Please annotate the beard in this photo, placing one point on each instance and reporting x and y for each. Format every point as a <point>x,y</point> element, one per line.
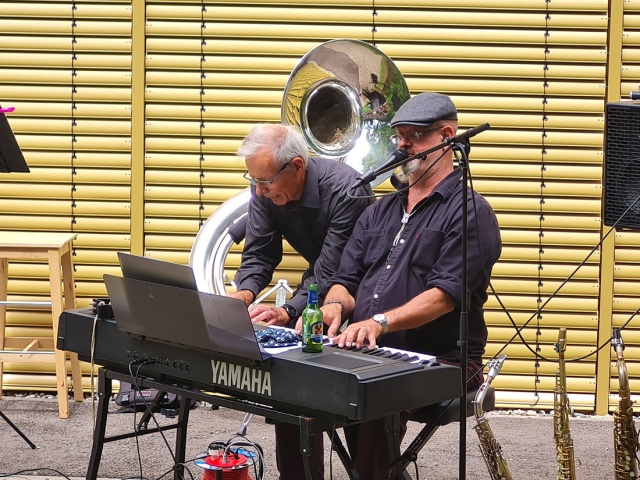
<point>407,171</point>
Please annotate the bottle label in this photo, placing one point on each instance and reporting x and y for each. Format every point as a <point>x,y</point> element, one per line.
<point>316,332</point>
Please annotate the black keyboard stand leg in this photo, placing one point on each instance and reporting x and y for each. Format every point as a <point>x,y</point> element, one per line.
<point>306,447</point>
<point>392,429</point>
<point>411,452</point>
<point>343,455</point>
<point>104,394</point>
<point>181,437</point>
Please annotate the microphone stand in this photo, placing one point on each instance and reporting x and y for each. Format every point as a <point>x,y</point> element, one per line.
<point>463,342</point>
<point>460,144</point>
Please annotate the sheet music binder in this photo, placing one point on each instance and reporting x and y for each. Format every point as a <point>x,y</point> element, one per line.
<point>183,317</point>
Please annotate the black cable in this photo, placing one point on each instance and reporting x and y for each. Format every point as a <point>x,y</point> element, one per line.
<point>140,364</point>
<point>136,390</point>
<point>519,329</point>
<point>34,470</point>
<point>537,312</point>
<point>415,465</point>
<point>183,465</point>
<point>232,442</point>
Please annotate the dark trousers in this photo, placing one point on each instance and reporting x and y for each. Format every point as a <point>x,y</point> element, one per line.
<point>367,441</point>
<point>289,458</point>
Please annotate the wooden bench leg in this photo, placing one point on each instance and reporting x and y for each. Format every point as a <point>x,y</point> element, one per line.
<point>56,310</point>
<point>70,304</point>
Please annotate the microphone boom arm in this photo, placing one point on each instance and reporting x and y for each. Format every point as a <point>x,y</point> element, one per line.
<point>460,138</point>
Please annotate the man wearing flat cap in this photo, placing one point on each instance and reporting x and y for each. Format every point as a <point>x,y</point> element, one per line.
<point>400,277</point>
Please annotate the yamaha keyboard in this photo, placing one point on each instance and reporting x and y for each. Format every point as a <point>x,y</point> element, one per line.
<point>351,384</point>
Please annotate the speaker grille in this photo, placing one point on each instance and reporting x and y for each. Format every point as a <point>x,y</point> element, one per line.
<point>622,165</point>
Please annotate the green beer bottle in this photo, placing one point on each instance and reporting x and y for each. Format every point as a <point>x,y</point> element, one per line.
<point>312,323</point>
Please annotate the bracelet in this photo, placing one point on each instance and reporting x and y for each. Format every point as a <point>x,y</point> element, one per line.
<point>335,301</point>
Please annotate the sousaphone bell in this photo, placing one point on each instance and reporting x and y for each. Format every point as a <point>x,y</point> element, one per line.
<point>341,96</point>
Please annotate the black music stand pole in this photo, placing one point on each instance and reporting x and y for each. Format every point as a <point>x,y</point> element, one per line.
<point>11,160</point>
<point>24,437</point>
<point>463,342</point>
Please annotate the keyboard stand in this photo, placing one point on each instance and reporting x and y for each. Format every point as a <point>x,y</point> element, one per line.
<point>308,425</point>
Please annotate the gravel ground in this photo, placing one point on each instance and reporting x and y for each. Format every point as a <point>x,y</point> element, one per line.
<point>526,438</point>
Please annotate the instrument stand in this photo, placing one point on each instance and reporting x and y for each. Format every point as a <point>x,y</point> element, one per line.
<point>463,342</point>
<point>17,430</point>
<point>308,425</point>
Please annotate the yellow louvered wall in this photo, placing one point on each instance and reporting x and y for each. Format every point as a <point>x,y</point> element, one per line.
<point>129,114</point>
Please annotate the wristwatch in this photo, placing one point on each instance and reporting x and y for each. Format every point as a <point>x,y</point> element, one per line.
<point>382,320</point>
<point>291,311</point>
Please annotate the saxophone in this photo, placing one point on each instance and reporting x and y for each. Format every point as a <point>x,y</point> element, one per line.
<point>625,437</point>
<point>561,411</point>
<point>489,446</point>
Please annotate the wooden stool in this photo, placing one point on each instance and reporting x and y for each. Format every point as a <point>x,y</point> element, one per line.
<point>56,249</point>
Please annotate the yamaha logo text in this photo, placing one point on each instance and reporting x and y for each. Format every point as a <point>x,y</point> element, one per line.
<point>241,378</point>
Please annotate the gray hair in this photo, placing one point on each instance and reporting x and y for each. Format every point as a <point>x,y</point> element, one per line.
<point>283,142</point>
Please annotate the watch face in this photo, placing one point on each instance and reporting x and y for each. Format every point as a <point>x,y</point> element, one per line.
<point>382,320</point>
<point>291,311</point>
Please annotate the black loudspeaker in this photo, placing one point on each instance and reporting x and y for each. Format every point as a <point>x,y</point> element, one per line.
<point>622,165</point>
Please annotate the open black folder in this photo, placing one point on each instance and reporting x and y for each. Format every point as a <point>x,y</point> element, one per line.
<point>182,316</point>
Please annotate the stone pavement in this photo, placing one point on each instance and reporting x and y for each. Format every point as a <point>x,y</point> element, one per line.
<point>65,445</point>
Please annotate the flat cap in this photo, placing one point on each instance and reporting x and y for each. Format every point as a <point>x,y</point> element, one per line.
<point>424,109</point>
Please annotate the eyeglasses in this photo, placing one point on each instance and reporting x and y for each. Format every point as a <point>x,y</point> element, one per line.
<point>264,183</point>
<point>413,137</point>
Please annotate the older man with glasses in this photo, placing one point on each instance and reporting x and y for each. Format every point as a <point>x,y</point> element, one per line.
<point>304,199</point>
<point>309,202</point>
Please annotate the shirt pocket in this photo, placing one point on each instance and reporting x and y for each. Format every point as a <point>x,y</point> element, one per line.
<point>426,249</point>
<point>372,241</point>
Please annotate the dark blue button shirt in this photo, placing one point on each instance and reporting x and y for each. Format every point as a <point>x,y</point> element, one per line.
<point>387,262</point>
<point>317,227</point>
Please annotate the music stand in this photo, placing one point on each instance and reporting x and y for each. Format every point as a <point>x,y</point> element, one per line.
<point>11,160</point>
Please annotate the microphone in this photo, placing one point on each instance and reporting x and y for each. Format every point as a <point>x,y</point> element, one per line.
<point>396,157</point>
<point>465,136</point>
